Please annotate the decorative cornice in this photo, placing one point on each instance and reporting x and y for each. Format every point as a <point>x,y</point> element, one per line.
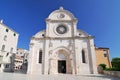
<point>31,45</point>
<point>62,38</point>
<point>50,20</point>
<point>47,20</point>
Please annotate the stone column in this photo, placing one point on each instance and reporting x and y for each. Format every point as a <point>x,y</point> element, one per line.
<point>46,61</point>
<point>47,27</point>
<point>72,66</point>
<point>30,59</point>
<point>74,45</point>
<point>52,67</point>
<point>75,26</point>
<point>92,56</point>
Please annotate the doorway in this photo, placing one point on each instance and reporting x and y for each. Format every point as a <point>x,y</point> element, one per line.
<point>61,66</point>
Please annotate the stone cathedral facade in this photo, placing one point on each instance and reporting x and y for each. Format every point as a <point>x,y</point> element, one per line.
<point>62,48</point>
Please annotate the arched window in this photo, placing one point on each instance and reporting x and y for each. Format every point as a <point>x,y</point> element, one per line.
<point>7,54</point>
<point>14,34</point>
<point>40,56</point>
<point>3,48</point>
<point>43,35</point>
<point>83,57</point>
<point>7,30</point>
<point>11,50</point>
<point>5,38</point>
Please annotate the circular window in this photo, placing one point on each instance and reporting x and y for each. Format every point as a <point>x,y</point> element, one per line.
<point>61,15</point>
<point>61,29</point>
<point>7,30</point>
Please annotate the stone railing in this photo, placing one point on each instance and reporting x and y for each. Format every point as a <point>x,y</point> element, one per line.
<point>112,73</point>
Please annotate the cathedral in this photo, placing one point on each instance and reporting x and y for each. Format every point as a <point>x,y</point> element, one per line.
<point>62,48</point>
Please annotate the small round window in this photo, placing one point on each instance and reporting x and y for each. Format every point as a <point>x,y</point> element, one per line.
<point>61,29</point>
<point>14,34</point>
<point>7,30</point>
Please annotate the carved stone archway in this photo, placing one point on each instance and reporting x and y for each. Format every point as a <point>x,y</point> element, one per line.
<point>60,54</point>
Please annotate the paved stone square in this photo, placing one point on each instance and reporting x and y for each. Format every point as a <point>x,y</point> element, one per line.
<point>18,76</point>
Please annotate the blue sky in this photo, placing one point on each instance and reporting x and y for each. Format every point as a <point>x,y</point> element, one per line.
<point>100,18</point>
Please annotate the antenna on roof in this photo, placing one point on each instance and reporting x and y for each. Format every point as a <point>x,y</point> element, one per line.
<point>1,21</point>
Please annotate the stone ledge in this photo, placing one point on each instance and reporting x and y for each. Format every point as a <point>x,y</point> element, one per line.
<point>112,73</point>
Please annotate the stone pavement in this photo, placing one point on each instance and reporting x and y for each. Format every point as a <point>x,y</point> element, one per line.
<point>18,76</point>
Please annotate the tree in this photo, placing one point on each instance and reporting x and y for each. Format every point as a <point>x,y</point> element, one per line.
<point>103,66</point>
<point>116,63</point>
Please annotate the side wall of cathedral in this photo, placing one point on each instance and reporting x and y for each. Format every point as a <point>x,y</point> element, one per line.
<point>34,66</point>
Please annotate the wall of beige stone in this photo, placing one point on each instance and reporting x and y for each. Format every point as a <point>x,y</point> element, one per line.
<point>113,73</point>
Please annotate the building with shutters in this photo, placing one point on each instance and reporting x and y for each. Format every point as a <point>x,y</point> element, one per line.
<point>8,46</point>
<point>21,58</point>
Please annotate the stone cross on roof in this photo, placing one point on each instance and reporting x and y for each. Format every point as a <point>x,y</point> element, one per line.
<point>61,8</point>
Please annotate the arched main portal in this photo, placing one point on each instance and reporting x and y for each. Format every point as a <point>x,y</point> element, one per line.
<point>60,62</point>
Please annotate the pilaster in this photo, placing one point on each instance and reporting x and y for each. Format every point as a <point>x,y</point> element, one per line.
<point>92,56</point>
<point>30,60</point>
<point>46,61</point>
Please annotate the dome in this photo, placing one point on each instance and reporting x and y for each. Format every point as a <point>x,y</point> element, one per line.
<point>61,14</point>
<point>82,33</point>
<point>40,34</point>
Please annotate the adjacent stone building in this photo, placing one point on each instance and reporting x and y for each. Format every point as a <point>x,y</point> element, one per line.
<point>21,57</point>
<point>62,48</point>
<point>8,46</point>
<point>103,56</point>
